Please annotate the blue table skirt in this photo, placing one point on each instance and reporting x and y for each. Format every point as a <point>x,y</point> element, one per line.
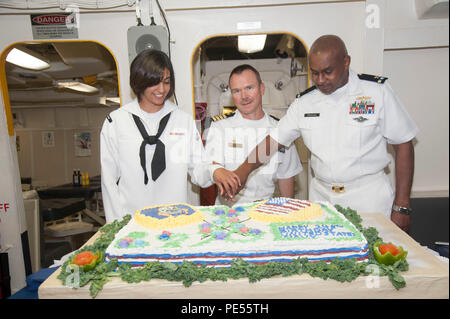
<point>33,282</point>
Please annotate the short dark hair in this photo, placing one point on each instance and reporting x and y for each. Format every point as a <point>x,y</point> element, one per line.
<point>147,69</point>
<point>241,68</point>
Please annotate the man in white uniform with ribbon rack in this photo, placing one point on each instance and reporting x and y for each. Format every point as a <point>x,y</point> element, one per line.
<point>346,121</point>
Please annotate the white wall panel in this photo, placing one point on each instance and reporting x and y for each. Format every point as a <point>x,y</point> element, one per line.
<point>420,78</point>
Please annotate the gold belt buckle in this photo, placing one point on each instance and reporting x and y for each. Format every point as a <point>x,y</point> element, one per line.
<point>338,189</point>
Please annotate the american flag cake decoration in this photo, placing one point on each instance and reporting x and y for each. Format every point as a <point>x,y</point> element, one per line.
<point>282,209</point>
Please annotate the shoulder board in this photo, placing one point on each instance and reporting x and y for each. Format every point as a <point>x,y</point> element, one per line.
<point>312,88</point>
<point>372,78</point>
<point>109,118</point>
<point>222,116</point>
<point>275,118</point>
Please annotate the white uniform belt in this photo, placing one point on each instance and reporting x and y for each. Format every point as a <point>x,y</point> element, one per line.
<point>343,187</point>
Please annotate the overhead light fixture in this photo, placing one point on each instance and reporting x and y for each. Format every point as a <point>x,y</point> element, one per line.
<point>109,101</point>
<point>113,99</point>
<point>26,60</point>
<point>76,86</point>
<point>251,43</point>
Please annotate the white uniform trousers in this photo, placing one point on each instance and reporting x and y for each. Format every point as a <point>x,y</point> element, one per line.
<point>368,194</point>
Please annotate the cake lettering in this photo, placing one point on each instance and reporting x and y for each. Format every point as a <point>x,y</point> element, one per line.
<point>314,231</point>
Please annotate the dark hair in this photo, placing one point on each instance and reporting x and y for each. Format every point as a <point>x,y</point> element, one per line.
<point>147,69</point>
<point>241,68</point>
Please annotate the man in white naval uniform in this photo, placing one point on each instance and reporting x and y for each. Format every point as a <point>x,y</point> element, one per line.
<point>231,138</point>
<point>148,146</point>
<point>346,121</point>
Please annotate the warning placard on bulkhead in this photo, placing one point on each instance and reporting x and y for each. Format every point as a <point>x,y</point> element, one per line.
<point>54,26</point>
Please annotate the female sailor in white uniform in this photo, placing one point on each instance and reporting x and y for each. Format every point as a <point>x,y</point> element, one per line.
<point>149,146</point>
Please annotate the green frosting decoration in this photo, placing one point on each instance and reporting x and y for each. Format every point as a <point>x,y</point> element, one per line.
<point>228,228</point>
<point>175,240</point>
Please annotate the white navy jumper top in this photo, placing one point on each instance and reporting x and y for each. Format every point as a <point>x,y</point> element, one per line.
<point>123,180</point>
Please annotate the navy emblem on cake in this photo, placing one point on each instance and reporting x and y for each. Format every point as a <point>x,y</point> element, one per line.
<point>163,216</point>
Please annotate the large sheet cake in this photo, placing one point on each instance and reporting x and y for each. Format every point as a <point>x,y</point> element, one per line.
<point>277,229</point>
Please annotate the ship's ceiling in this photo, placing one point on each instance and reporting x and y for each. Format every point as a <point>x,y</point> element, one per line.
<point>85,62</point>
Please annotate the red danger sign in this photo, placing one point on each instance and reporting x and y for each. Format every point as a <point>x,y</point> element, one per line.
<point>52,19</point>
<point>54,25</point>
